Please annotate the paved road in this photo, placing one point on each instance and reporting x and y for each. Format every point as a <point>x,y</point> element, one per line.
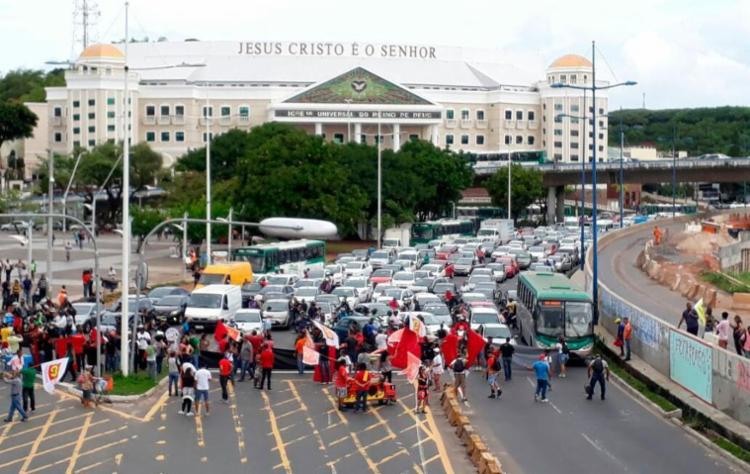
<point>294,428</point>
<point>617,270</point>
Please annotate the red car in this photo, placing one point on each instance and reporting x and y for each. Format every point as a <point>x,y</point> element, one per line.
<point>511,266</point>
<point>381,276</point>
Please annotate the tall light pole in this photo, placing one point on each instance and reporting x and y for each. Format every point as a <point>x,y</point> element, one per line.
<point>50,221</point>
<point>582,257</point>
<point>510,168</point>
<point>228,220</point>
<point>208,178</point>
<point>674,176</point>
<point>380,185</point>
<point>593,88</point>
<point>67,190</point>
<point>622,175</point>
<point>125,276</point>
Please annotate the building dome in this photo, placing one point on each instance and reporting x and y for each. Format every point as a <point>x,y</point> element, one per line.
<point>101,51</point>
<point>570,61</point>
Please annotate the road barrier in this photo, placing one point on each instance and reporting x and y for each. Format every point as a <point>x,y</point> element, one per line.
<point>476,448</point>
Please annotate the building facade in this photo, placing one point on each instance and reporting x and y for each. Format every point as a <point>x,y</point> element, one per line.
<point>182,93</point>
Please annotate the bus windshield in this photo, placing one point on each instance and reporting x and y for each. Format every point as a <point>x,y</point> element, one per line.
<point>255,257</point>
<point>577,319</point>
<point>205,300</point>
<point>422,231</point>
<point>550,321</point>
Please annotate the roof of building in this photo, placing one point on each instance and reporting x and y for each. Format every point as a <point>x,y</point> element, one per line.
<point>101,51</point>
<point>570,60</point>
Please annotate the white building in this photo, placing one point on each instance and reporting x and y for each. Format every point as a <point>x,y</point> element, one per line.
<point>465,99</point>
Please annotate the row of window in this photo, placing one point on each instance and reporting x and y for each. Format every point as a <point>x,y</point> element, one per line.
<point>573,108</point>
<point>165,136</point>
<point>243,111</point>
<point>465,114</point>
<point>563,78</point>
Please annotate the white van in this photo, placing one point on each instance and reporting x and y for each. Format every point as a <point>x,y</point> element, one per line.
<point>211,303</point>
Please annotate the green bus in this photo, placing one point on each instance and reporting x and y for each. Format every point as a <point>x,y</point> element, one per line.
<point>552,306</point>
<point>290,257</point>
<point>423,232</point>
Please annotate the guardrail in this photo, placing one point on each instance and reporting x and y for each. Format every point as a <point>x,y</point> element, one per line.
<point>714,375</point>
<point>482,167</point>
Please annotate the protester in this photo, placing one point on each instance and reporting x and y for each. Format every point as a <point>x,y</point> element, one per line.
<point>173,372</point>
<point>563,355</point>
<point>597,370</point>
<point>738,333</point>
<point>202,377</point>
<point>225,372</point>
<point>494,366</point>
<point>362,386</point>
<point>341,383</point>
<point>542,371</point>
<point>437,369</point>
<point>28,378</point>
<point>16,387</point>
<point>506,351</point>
<point>247,359</point>
<point>423,393</point>
<point>299,350</point>
<point>266,367</point>
<point>459,376</point>
<point>723,329</point>
<point>690,318</point>
<point>188,391</point>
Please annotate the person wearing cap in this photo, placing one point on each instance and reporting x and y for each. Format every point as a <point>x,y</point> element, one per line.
<point>437,369</point>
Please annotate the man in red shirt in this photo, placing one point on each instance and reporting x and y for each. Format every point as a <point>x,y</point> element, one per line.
<point>266,366</point>
<point>256,340</point>
<point>362,383</point>
<point>225,373</point>
<point>341,382</point>
<point>78,340</point>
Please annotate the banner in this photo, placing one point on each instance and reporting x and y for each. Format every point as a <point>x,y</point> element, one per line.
<point>700,310</point>
<point>52,373</point>
<point>233,333</point>
<point>332,339</point>
<point>416,325</point>
<point>310,356</point>
<point>412,367</point>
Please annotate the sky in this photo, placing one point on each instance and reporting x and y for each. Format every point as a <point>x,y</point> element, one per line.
<point>684,53</point>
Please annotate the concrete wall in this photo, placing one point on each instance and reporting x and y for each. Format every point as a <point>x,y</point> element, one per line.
<point>730,373</point>
<point>734,258</point>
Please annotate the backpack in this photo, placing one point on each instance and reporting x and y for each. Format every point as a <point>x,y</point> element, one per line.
<point>597,366</point>
<point>497,365</point>
<point>565,348</point>
<point>458,366</point>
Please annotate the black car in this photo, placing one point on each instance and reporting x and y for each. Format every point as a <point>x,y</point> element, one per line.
<point>249,290</point>
<point>160,292</point>
<point>145,309</point>
<point>171,309</point>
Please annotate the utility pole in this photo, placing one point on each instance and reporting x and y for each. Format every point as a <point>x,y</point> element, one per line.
<point>50,221</point>
<point>125,292</point>
<point>674,175</point>
<point>622,175</point>
<point>208,180</point>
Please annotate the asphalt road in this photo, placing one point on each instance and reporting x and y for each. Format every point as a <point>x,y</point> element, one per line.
<point>617,270</point>
<point>294,428</point>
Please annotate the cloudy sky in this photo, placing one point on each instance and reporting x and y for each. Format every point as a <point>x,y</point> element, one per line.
<point>684,53</point>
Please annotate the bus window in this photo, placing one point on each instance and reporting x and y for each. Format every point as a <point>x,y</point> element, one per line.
<point>550,319</point>
<point>577,319</point>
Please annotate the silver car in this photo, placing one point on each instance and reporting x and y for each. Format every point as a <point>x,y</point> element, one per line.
<point>278,312</point>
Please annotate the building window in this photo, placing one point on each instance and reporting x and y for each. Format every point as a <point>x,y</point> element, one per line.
<point>574,133</point>
<point>164,136</point>
<point>558,107</point>
<point>544,106</point>
<point>164,111</point>
<point>76,130</point>
<point>110,128</point>
<point>212,136</point>
<point>508,139</point>
<point>150,136</point>
<point>244,112</point>
<point>573,157</point>
<point>574,120</point>
<point>508,115</point>
<point>558,144</point>
<point>449,114</point>
<point>601,123</point>
<point>558,156</point>
<point>465,114</point>
<point>58,112</point>
<point>92,129</point>
<point>519,139</point>
<point>92,102</point>
<point>92,143</point>
<point>585,78</point>
<point>413,137</point>
<point>111,114</point>
<point>110,101</point>
<point>464,139</point>
<point>226,111</point>
<point>530,139</point>
<point>574,107</point>
<point>208,111</point>
<point>58,137</point>
<point>449,139</point>
<point>601,148</point>
<point>574,145</point>
<point>480,114</point>
<point>563,78</point>
<point>601,111</point>
<point>76,104</point>
<point>573,79</point>
<point>337,137</point>
<point>558,118</point>
<point>76,117</point>
<point>179,136</point>
<point>480,139</point>
<point>558,132</point>
<point>601,136</point>
<point>76,144</point>
<point>591,110</point>
<point>179,110</point>
<point>92,116</point>
<point>150,110</point>
<point>531,115</point>
<point>519,114</point>
<point>363,139</point>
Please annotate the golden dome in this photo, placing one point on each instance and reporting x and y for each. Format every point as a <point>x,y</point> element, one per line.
<point>570,60</point>
<point>101,51</point>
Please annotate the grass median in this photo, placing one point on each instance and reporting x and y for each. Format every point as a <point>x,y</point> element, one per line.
<point>135,384</point>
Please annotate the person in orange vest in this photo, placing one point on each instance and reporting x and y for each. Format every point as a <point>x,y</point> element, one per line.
<point>62,296</point>
<point>657,235</point>
<point>627,335</point>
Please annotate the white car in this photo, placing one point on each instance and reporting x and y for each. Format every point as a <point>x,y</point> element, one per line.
<point>348,294</point>
<point>403,296</point>
<point>433,322</point>
<point>472,281</point>
<point>84,312</point>
<point>364,289</point>
<point>278,312</point>
<point>248,320</point>
<point>336,273</point>
<point>434,268</point>
<point>537,252</point>
<point>403,279</point>
<point>498,271</point>
<point>380,258</point>
<point>497,334</point>
<point>306,293</point>
<point>284,279</point>
<point>357,269</point>
<point>425,298</point>
<point>482,315</point>
<point>407,265</point>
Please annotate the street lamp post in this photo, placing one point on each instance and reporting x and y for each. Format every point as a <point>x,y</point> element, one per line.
<point>582,257</point>
<point>380,185</point>
<point>674,176</point>
<point>622,175</point>
<point>208,179</point>
<point>50,221</point>
<point>67,190</point>
<point>125,190</point>
<point>593,88</point>
<point>510,216</point>
<point>228,221</point>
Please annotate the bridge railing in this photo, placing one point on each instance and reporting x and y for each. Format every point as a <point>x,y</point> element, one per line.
<point>488,167</point>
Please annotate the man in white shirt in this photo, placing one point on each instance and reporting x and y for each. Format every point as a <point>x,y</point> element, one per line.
<point>437,369</point>
<point>724,329</point>
<point>142,340</point>
<point>201,388</point>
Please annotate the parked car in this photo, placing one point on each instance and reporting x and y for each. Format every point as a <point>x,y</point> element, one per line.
<point>403,279</point>
<point>160,292</point>
<point>85,315</point>
<point>278,312</point>
<point>171,308</point>
<point>249,320</point>
<point>463,266</point>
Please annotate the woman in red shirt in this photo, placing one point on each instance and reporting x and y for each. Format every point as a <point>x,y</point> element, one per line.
<point>341,382</point>
<point>266,366</point>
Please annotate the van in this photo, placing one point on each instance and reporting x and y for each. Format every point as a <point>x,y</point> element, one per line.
<point>233,273</point>
<point>211,303</point>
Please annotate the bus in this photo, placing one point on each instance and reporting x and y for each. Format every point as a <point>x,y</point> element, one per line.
<point>552,306</point>
<point>423,232</point>
<point>290,257</point>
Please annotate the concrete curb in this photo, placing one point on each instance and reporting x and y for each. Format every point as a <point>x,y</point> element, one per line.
<point>676,413</point>
<point>71,389</point>
<point>476,448</point>
<point>713,447</point>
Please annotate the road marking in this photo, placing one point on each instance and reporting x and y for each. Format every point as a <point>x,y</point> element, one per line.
<point>337,441</point>
<point>555,408</point>
<point>601,449</point>
<point>103,408</point>
<point>438,439</point>
<point>278,404</point>
<point>296,410</point>
<point>391,456</point>
<point>237,424</point>
<point>4,434</point>
<point>276,434</point>
<point>37,442</point>
<point>370,463</point>
<point>85,453</point>
<point>410,412</point>
<point>79,444</point>
<point>199,430</point>
<point>157,406</point>
<point>321,444</point>
<point>52,436</point>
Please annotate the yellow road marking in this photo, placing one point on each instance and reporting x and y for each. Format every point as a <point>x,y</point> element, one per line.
<point>91,466</point>
<point>38,441</point>
<point>52,436</point>
<point>4,434</point>
<point>157,406</point>
<point>276,434</point>
<point>51,424</point>
<point>391,456</point>
<point>104,408</point>
<point>296,410</point>
<point>284,402</point>
<point>237,424</point>
<point>79,444</point>
<point>285,428</point>
<point>375,443</point>
<point>85,453</point>
<point>199,430</point>
<point>335,442</point>
<point>410,412</point>
<point>370,463</point>
<point>439,442</point>
<point>295,440</point>
<point>321,444</point>
<point>433,458</point>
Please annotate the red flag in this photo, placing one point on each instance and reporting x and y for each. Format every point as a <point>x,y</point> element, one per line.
<point>233,333</point>
<point>450,347</point>
<point>474,346</point>
<point>412,367</point>
<point>220,332</point>
<point>408,344</point>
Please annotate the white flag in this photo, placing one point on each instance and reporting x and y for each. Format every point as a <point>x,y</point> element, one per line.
<point>332,339</point>
<point>52,373</point>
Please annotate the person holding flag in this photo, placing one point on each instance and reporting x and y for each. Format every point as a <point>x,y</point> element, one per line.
<point>423,383</point>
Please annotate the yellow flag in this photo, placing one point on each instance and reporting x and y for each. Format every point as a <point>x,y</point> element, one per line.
<point>700,310</point>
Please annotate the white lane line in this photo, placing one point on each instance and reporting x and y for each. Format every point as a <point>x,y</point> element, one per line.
<point>531,382</point>
<point>605,452</point>
<point>555,408</point>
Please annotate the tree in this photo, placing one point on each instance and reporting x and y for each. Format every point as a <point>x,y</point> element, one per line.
<point>145,165</point>
<point>226,150</point>
<point>16,121</point>
<point>526,186</point>
<point>25,85</point>
<point>144,221</point>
